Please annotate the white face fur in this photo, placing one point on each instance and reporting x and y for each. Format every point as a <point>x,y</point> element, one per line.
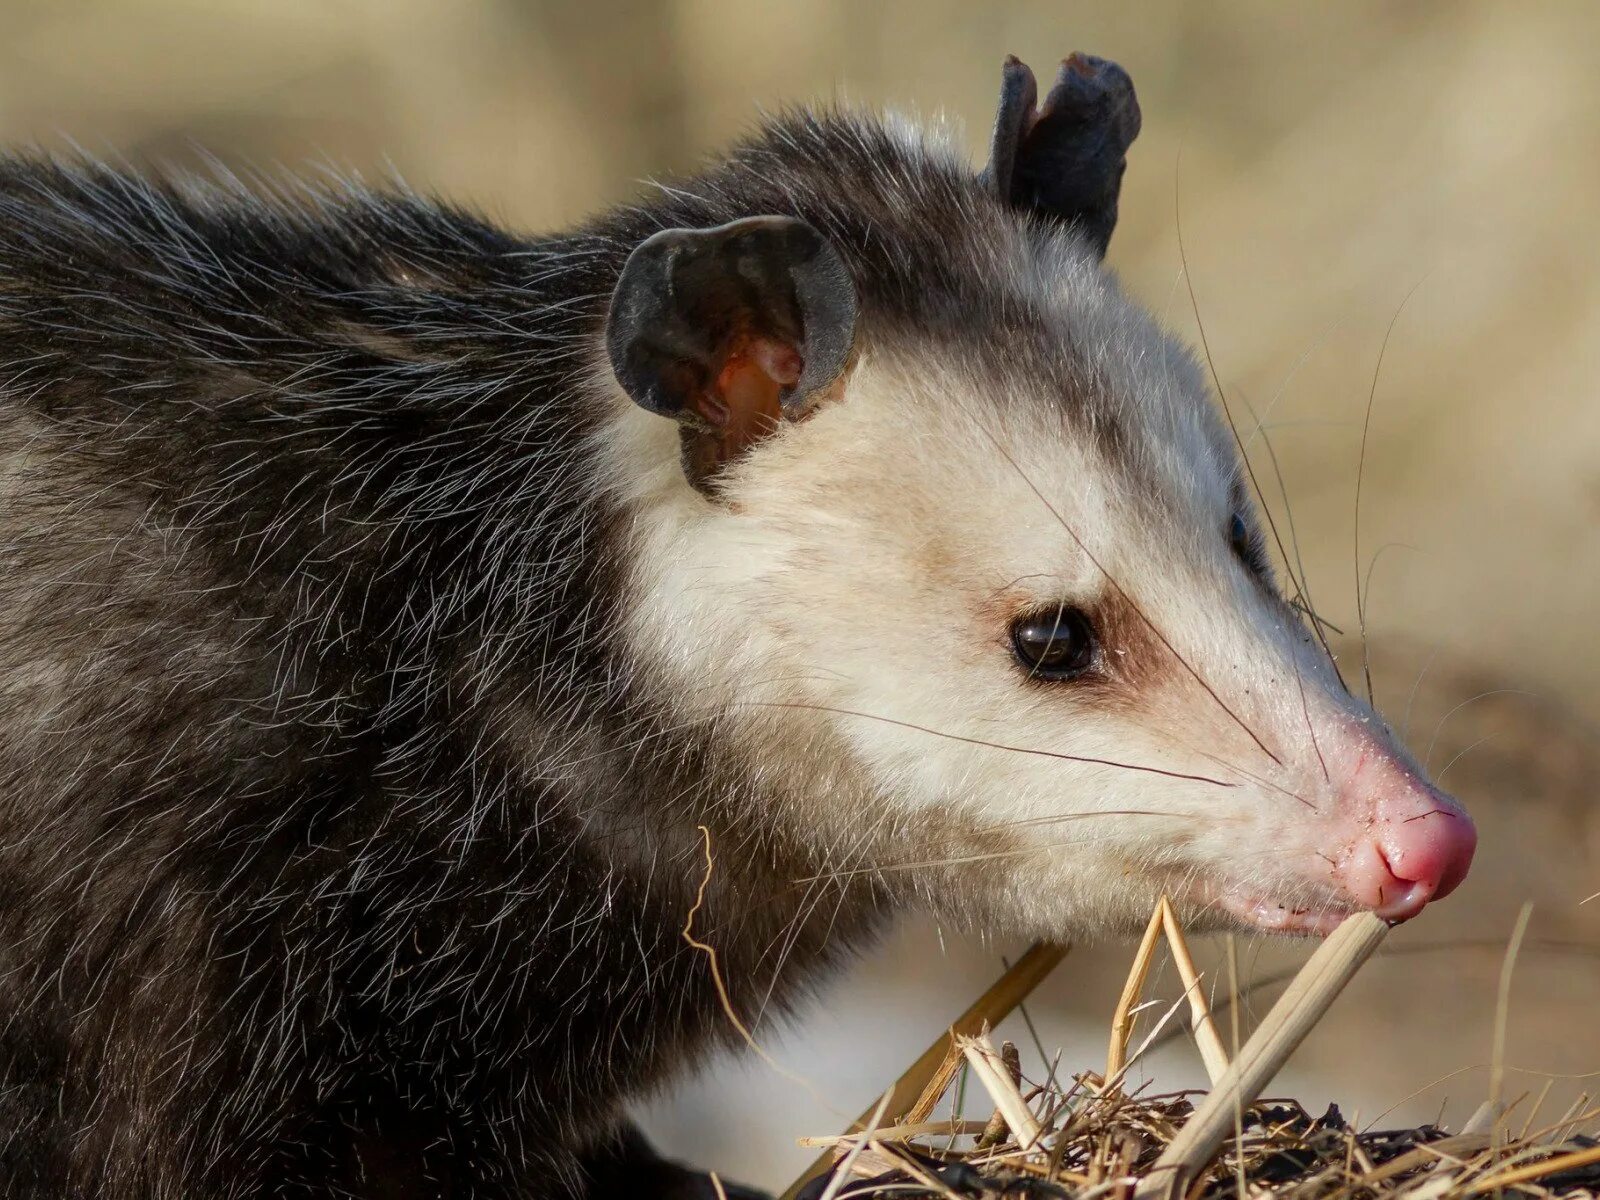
<point>845,609</point>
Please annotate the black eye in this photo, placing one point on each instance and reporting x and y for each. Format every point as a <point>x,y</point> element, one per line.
<point>1246,544</point>
<point>1058,643</point>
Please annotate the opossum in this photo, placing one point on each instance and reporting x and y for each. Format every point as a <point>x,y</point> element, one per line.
<point>409,628</point>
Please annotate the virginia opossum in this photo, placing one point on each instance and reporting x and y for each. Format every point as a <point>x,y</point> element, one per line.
<point>394,609</point>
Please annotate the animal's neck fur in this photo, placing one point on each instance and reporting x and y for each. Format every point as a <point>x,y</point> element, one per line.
<point>323,764</point>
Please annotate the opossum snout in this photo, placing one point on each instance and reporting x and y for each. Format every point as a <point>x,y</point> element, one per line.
<point>1417,848</point>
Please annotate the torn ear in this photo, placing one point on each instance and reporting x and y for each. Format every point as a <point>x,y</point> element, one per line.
<point>1065,158</point>
<point>731,331</point>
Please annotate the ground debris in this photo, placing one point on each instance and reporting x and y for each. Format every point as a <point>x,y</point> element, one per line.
<point>1100,1142</point>
<point>1092,1138</point>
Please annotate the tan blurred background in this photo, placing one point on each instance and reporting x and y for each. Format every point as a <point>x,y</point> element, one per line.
<point>1334,159</point>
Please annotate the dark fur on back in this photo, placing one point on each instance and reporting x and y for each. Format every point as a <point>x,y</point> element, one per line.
<point>341,850</point>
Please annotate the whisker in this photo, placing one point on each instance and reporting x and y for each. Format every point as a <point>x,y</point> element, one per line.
<point>1126,598</point>
<point>1055,818</point>
<point>1405,725</point>
<point>1305,356</point>
<point>1459,755</point>
<point>960,859</point>
<point>972,741</point>
<point>1305,710</point>
<point>1294,656</point>
<point>1254,778</point>
<point>1303,606</point>
<point>1303,583</point>
<point>1373,565</point>
<point>1428,758</point>
<point>1361,465</point>
<point>1222,396</point>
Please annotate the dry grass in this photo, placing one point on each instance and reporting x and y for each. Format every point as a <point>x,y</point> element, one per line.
<point>1100,1141</point>
<point>1090,1136</point>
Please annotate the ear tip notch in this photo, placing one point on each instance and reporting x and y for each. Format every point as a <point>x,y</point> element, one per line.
<point>1065,158</point>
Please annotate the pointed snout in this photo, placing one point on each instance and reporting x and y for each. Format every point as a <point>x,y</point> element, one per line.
<point>1418,849</point>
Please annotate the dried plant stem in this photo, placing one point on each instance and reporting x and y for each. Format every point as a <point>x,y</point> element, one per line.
<point>1164,921</point>
<point>1445,1155</point>
<point>937,1085</point>
<point>987,1010</point>
<point>1205,1031</point>
<point>1502,1010</point>
<point>1122,1017</point>
<point>1099,1140</point>
<point>1485,1117</point>
<point>720,983</point>
<point>894,1133</point>
<point>1538,1170</point>
<point>991,1069</point>
<point>994,1131</point>
<point>1282,1030</point>
<point>873,1123</point>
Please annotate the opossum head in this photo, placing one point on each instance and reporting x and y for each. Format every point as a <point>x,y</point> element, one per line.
<point>947,542</point>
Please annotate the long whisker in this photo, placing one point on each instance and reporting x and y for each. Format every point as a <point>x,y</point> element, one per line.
<point>1227,410</point>
<point>1371,567</point>
<point>972,741</point>
<point>1126,598</point>
<point>1305,711</point>
<point>1405,724</point>
<point>1301,605</point>
<point>1361,464</point>
<point>1303,583</point>
<point>705,718</point>
<point>1283,387</point>
<point>1459,755</point>
<point>1428,758</point>
<point>1057,818</point>
<point>1294,656</point>
<point>1254,778</point>
<point>1379,552</point>
<point>958,860</point>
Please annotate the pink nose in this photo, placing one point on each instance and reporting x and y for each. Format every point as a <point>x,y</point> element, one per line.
<point>1420,851</point>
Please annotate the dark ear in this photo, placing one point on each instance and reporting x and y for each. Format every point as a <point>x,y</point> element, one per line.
<point>730,331</point>
<point>1066,158</point>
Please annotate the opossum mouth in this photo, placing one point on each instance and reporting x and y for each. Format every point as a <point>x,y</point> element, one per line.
<point>1263,914</point>
<point>1257,911</point>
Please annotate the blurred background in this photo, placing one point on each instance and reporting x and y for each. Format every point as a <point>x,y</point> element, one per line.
<point>1327,162</point>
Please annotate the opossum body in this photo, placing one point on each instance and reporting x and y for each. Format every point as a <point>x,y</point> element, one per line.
<point>393,609</point>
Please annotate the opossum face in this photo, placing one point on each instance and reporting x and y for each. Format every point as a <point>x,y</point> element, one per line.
<point>966,578</point>
<point>994,623</point>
